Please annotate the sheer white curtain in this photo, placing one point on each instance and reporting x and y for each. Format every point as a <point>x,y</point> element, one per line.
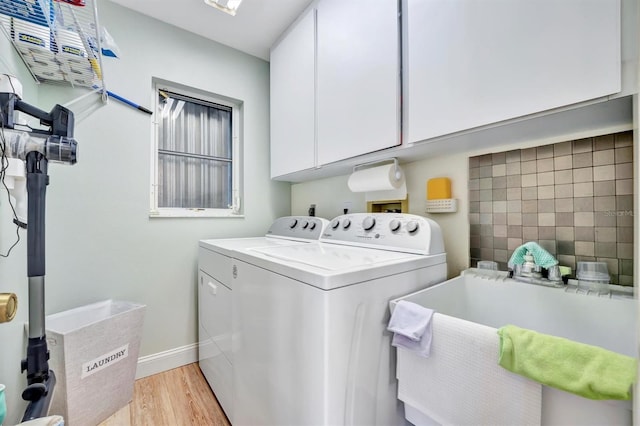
<point>194,154</point>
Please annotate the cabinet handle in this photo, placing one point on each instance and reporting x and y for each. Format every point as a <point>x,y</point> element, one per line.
<point>213,289</point>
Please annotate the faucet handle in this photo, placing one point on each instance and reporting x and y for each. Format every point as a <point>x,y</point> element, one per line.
<point>529,259</point>
<point>554,273</point>
<point>517,270</point>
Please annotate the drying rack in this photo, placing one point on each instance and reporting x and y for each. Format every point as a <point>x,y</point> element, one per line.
<point>58,40</point>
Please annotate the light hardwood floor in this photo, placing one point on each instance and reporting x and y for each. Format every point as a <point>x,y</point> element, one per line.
<point>173,398</point>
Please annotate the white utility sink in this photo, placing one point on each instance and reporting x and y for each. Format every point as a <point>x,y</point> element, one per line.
<point>497,301</point>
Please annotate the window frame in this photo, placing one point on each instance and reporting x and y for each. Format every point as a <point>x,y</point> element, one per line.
<point>233,211</point>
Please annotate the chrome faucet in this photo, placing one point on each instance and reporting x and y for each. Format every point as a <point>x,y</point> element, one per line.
<point>530,272</point>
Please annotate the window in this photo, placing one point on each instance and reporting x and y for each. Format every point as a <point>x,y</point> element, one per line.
<point>195,154</point>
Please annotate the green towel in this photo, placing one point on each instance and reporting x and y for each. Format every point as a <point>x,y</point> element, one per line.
<point>540,255</point>
<point>584,370</point>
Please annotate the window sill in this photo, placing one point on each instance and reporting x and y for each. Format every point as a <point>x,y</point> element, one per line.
<point>191,213</point>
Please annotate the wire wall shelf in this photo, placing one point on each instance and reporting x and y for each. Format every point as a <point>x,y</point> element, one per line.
<point>58,40</point>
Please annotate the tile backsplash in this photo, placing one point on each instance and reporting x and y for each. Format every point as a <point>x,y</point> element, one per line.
<point>573,198</point>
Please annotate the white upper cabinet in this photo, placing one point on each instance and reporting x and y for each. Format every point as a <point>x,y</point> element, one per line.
<point>358,78</point>
<point>470,63</point>
<point>293,99</point>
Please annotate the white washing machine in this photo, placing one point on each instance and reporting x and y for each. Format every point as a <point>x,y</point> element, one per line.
<point>215,286</point>
<point>310,345</point>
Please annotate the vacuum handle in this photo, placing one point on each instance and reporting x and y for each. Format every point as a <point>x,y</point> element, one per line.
<point>37,181</point>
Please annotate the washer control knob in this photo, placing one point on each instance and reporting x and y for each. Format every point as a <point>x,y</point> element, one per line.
<point>293,223</point>
<point>305,224</point>
<point>312,226</point>
<point>335,223</point>
<point>394,225</point>
<point>368,223</point>
<point>346,223</point>
<point>412,226</point>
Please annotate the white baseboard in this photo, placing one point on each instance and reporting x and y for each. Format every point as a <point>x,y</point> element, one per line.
<point>162,361</point>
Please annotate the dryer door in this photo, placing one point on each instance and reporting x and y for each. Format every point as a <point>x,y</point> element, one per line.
<point>214,353</point>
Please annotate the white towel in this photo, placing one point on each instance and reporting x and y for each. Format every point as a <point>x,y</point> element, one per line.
<point>411,325</point>
<point>462,383</point>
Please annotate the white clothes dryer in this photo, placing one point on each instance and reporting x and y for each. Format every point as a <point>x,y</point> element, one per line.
<point>215,285</point>
<point>310,345</point>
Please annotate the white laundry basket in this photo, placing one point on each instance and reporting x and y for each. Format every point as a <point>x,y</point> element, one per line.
<point>94,355</point>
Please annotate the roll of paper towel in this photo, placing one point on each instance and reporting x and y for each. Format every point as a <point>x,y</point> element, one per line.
<point>381,178</point>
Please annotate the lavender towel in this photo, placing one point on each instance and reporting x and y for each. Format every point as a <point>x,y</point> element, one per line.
<point>411,325</point>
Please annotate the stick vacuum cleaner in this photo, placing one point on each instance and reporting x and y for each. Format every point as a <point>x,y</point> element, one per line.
<point>36,148</point>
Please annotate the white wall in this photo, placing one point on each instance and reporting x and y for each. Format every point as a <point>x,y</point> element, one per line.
<point>100,241</point>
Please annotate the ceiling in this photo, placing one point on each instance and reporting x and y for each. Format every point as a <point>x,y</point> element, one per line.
<point>256,26</point>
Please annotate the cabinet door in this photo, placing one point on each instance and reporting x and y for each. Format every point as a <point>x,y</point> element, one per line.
<point>293,99</point>
<point>470,63</point>
<point>358,76</point>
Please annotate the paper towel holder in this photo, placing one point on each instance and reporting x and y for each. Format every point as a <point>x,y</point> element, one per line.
<point>396,166</point>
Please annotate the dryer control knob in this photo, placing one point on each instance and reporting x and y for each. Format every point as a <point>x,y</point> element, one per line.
<point>394,225</point>
<point>312,226</point>
<point>412,226</point>
<point>335,223</point>
<point>368,223</point>
<point>305,224</point>
<point>293,223</point>
<point>346,223</point>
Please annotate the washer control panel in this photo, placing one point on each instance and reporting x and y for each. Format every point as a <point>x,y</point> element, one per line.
<point>298,227</point>
<point>389,231</point>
